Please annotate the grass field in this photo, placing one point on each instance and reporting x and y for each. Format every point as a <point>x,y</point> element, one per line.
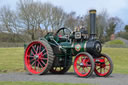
<point>11,59</point>
<point>38,83</point>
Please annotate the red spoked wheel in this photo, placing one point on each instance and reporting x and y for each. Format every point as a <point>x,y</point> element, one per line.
<point>83,64</point>
<point>38,57</point>
<point>104,69</point>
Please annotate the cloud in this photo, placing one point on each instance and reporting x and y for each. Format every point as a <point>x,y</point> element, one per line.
<point>114,7</point>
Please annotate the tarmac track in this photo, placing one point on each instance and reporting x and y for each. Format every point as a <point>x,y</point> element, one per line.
<point>113,79</point>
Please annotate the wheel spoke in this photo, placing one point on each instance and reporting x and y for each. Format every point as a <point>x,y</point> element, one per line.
<point>88,65</point>
<point>79,68</point>
<point>79,60</point>
<point>87,68</point>
<point>34,49</point>
<point>32,60</point>
<point>30,56</point>
<point>106,68</point>
<point>33,63</point>
<point>84,70</point>
<point>32,52</point>
<point>87,60</point>
<point>43,62</point>
<point>106,61</point>
<point>97,68</point>
<point>44,58</point>
<point>42,51</point>
<point>44,54</point>
<point>100,70</point>
<point>107,65</point>
<point>37,49</point>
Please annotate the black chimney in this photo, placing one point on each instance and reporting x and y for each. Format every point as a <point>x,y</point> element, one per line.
<point>92,24</point>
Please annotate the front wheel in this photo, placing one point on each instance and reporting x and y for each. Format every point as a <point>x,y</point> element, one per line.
<point>105,68</point>
<point>83,64</point>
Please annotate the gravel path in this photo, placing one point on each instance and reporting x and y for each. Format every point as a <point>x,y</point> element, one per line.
<point>114,79</point>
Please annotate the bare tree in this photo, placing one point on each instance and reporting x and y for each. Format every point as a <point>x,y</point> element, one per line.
<point>46,14</point>
<point>30,16</point>
<point>8,19</point>
<point>71,21</point>
<point>102,24</point>
<point>58,18</point>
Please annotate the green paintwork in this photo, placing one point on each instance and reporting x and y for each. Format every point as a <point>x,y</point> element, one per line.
<point>76,49</point>
<point>67,48</point>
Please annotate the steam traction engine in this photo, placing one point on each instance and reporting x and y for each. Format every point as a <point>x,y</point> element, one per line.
<point>54,53</point>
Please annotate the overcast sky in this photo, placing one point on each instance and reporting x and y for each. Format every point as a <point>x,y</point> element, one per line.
<point>117,8</point>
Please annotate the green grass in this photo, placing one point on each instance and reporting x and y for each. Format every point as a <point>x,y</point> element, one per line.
<point>11,59</point>
<point>119,57</point>
<point>37,83</point>
<point>113,42</point>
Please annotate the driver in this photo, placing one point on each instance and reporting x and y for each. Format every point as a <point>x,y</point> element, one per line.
<point>83,30</point>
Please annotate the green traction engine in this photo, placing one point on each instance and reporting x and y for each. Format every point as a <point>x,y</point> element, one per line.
<point>55,51</point>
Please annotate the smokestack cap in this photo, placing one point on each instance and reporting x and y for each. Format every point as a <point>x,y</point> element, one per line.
<point>92,11</point>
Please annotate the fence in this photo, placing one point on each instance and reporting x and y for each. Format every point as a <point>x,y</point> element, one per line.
<point>8,44</point>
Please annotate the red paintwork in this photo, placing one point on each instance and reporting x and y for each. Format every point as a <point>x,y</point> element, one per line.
<point>104,68</point>
<point>35,67</point>
<point>86,68</point>
<point>60,36</point>
<point>99,60</point>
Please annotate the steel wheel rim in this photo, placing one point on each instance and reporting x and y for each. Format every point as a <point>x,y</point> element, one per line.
<point>82,58</point>
<point>36,57</point>
<point>103,69</point>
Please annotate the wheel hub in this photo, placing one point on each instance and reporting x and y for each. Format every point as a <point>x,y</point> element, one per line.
<point>81,64</point>
<point>36,57</point>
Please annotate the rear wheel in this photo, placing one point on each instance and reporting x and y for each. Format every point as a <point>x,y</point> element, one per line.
<point>83,64</point>
<point>61,68</point>
<point>38,57</point>
<point>105,68</point>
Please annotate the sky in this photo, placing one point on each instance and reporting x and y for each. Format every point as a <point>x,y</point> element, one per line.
<point>114,8</point>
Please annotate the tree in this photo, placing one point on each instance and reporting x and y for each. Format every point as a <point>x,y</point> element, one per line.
<point>101,24</point>
<point>112,24</point>
<point>58,18</point>
<point>9,21</point>
<point>126,28</point>
<point>30,16</point>
<point>46,14</point>
<point>70,21</point>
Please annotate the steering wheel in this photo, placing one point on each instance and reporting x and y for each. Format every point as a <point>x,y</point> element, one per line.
<point>63,33</point>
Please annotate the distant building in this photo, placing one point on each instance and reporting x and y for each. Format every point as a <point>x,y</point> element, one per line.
<point>112,37</point>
